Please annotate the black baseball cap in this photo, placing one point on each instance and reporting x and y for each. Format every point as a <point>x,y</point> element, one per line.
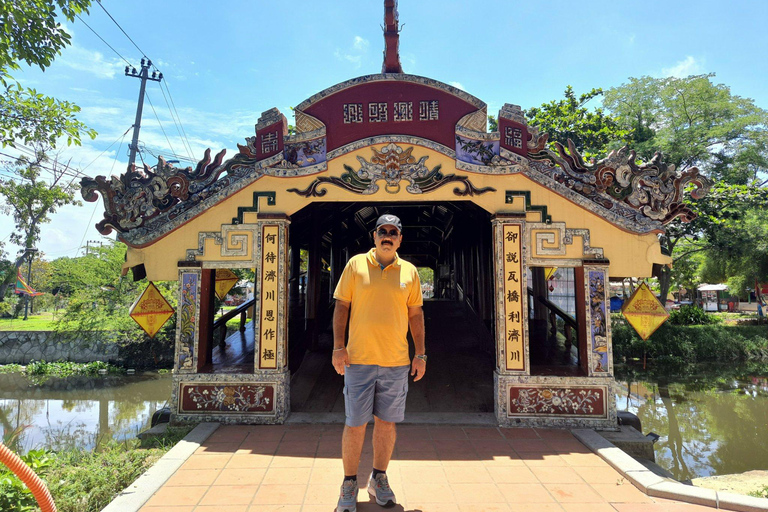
<point>390,219</point>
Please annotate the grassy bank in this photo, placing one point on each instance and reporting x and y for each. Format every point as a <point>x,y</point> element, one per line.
<point>86,481</point>
<point>691,343</point>
<point>39,322</point>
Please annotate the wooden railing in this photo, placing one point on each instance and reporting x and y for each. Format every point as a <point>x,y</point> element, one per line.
<point>569,323</point>
<point>241,310</point>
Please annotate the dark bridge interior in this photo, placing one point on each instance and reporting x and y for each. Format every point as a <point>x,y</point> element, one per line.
<point>452,239</point>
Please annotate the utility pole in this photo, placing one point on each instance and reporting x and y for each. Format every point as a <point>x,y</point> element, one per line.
<point>88,245</point>
<point>30,253</point>
<point>144,76</point>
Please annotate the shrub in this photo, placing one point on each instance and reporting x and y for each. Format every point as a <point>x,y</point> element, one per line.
<point>692,344</point>
<point>691,315</point>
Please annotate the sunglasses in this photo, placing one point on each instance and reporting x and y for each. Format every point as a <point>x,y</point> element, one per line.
<point>384,232</point>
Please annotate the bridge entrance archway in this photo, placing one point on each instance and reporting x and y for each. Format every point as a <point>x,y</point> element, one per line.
<point>449,242</point>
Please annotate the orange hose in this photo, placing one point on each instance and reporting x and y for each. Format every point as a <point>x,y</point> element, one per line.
<point>30,479</point>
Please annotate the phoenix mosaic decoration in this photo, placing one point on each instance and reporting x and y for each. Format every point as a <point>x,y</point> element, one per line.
<point>393,165</point>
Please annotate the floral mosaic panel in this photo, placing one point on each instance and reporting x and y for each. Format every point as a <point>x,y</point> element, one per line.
<point>598,328</point>
<point>557,401</point>
<point>235,398</point>
<point>185,346</point>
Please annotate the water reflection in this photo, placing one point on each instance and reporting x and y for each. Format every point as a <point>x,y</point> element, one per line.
<point>712,421</point>
<point>78,411</point>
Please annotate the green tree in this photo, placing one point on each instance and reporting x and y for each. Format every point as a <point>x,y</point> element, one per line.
<point>30,32</point>
<point>593,131</point>
<point>695,122</point>
<point>690,120</point>
<point>98,298</point>
<point>31,198</point>
<point>728,237</point>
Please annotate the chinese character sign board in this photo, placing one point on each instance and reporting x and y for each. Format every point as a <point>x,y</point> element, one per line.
<point>151,310</point>
<point>644,312</point>
<point>514,295</point>
<point>225,280</point>
<point>270,279</point>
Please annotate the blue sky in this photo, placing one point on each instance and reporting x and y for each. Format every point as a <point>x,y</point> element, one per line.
<point>226,62</point>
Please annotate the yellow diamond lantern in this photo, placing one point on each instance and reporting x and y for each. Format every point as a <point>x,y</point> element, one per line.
<point>644,312</point>
<point>225,280</point>
<point>151,310</point>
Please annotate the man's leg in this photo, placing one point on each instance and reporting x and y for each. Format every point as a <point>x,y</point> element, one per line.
<point>351,448</point>
<point>384,436</point>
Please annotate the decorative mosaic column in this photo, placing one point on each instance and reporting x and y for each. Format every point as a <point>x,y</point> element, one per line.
<point>598,319</point>
<point>187,320</point>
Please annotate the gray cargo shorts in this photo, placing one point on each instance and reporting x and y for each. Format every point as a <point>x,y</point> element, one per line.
<point>371,390</point>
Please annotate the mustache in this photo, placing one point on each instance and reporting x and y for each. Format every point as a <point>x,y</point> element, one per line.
<point>386,242</point>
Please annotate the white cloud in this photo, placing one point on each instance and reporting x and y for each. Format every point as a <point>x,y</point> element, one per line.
<point>355,54</point>
<point>457,85</point>
<point>92,62</point>
<point>360,44</point>
<point>686,67</point>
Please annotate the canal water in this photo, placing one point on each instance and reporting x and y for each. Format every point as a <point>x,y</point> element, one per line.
<point>711,421</point>
<point>78,411</point>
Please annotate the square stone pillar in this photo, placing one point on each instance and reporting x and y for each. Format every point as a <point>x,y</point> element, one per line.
<point>263,396</point>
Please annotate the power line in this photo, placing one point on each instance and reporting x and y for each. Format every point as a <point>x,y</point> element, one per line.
<point>183,137</point>
<point>167,154</point>
<point>192,153</point>
<point>121,28</point>
<point>158,122</point>
<point>172,105</point>
<point>54,172</point>
<point>102,39</point>
<point>33,152</point>
<point>102,153</point>
<point>95,207</point>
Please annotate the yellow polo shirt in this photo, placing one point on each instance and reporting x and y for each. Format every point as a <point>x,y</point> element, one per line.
<point>380,300</point>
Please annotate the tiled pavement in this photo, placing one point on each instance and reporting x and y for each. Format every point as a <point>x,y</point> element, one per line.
<point>434,468</point>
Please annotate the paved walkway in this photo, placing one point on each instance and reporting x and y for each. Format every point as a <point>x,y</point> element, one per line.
<point>434,468</point>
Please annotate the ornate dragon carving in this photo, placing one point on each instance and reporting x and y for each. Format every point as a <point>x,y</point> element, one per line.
<point>653,189</point>
<point>139,195</point>
<point>392,164</point>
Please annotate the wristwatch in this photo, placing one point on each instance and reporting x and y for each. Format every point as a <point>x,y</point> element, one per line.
<point>423,357</point>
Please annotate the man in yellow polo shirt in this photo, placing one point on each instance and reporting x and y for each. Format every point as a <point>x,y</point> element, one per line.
<point>382,293</point>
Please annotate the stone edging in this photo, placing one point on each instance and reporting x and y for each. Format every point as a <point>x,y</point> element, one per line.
<point>659,487</point>
<point>133,497</point>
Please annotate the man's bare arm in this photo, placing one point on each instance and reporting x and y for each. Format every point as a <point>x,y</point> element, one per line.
<point>416,323</point>
<point>340,357</point>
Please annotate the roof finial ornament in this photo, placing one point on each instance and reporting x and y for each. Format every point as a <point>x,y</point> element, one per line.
<point>391,39</point>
